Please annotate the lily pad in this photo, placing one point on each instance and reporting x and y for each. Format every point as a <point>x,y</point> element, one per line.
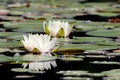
<point>27,24</point>
<point>10,44</point>
<point>4,50</point>
<point>84,40</point>
<point>20,70</point>
<point>87,28</point>
<point>105,33</point>
<point>78,48</point>
<point>108,43</point>
<point>16,13</point>
<point>15,37</point>
<point>6,34</point>
<point>32,29</point>
<point>76,78</point>
<point>98,56</point>
<point>92,39</point>
<point>113,54</point>
<point>4,59</point>
<point>105,62</point>
<point>73,72</point>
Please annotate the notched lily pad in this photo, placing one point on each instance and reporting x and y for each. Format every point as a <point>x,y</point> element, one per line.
<point>31,29</point>
<point>92,39</point>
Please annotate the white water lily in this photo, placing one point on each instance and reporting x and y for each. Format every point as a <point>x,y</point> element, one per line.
<point>57,28</point>
<point>44,45</point>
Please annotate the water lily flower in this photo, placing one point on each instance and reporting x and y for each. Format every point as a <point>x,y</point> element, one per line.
<point>42,44</point>
<point>57,28</point>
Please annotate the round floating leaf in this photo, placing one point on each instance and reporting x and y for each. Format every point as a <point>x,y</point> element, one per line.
<point>10,44</point>
<point>108,43</point>
<point>78,48</point>
<point>17,37</point>
<point>113,72</point>
<point>96,74</point>
<point>113,54</point>
<point>87,27</point>
<point>70,59</point>
<point>16,13</point>
<point>29,24</point>
<point>91,39</point>
<point>19,70</point>
<point>24,76</point>
<point>99,56</point>
<point>31,29</point>
<point>7,34</point>
<point>84,40</point>
<point>73,72</point>
<point>94,52</point>
<point>105,62</point>
<point>4,58</point>
<point>105,33</point>
<point>4,50</point>
<point>76,78</point>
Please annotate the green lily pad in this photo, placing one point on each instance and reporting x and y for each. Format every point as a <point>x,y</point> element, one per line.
<point>96,74</point>
<point>105,62</point>
<point>108,43</point>
<point>16,13</point>
<point>27,24</point>
<point>19,70</point>
<point>98,56</point>
<point>113,72</point>
<point>24,76</point>
<point>6,34</point>
<point>113,54</point>
<point>73,72</point>
<point>31,29</point>
<point>4,50</point>
<point>94,52</point>
<point>70,59</point>
<point>84,39</point>
<point>76,78</point>
<point>4,58</point>
<point>73,48</point>
<point>15,37</point>
<point>10,44</point>
<point>87,28</point>
<point>105,33</point>
<point>92,39</point>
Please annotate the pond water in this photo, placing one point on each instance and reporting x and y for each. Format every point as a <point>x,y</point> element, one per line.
<point>92,51</point>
